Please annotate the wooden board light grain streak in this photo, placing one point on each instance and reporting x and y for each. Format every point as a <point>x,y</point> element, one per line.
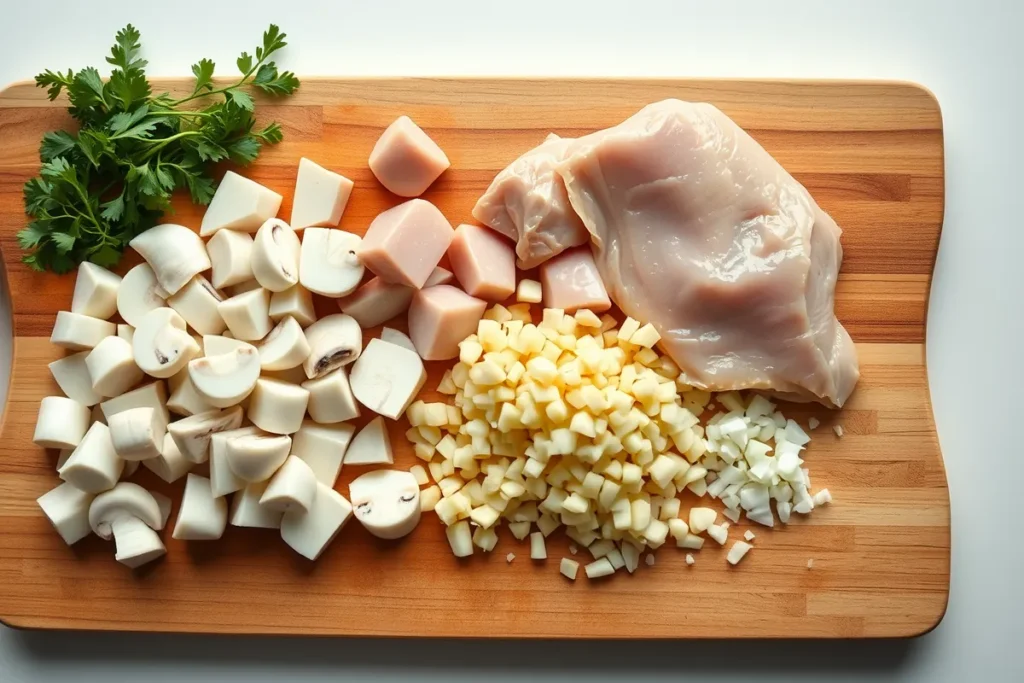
<point>872,155</point>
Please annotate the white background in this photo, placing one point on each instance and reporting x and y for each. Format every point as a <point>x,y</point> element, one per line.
<point>969,53</point>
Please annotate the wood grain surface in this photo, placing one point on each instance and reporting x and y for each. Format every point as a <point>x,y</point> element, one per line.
<point>870,153</point>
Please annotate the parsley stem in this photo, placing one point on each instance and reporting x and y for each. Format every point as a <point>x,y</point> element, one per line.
<point>161,143</point>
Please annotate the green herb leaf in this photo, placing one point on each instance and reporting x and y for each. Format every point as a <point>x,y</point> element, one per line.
<point>273,40</point>
<point>203,71</point>
<point>121,121</point>
<point>241,99</point>
<point>244,150</point>
<point>271,82</point>
<point>55,144</point>
<point>272,134</point>
<point>54,82</point>
<point>244,63</point>
<point>124,54</point>
<point>31,235</point>
<point>114,209</point>
<point>63,241</point>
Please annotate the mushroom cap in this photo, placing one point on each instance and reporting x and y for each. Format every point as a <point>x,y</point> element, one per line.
<point>275,256</point>
<point>256,457</point>
<point>334,341</point>
<point>161,345</point>
<point>386,502</point>
<point>227,378</point>
<point>125,499</point>
<point>284,347</point>
<point>328,263</point>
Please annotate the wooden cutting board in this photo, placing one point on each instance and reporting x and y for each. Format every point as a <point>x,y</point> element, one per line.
<point>870,153</point>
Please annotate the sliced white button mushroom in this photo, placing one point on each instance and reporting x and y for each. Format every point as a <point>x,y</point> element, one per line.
<point>201,517</point>
<point>247,314</point>
<point>153,395</point>
<point>239,204</point>
<point>278,407</point>
<point>192,434</point>
<point>165,504</point>
<point>309,533</point>
<point>331,399</point>
<point>223,480</point>
<point>139,294</point>
<point>170,465</point>
<point>95,291</point>
<point>137,434</point>
<point>62,423</point>
<point>197,302</point>
<point>63,455</point>
<point>371,446</point>
<point>320,196</point>
<point>126,332</point>
<point>130,515</point>
<point>275,256</point>
<point>292,488</point>
<point>185,400</point>
<point>387,377</point>
<point>67,508</point>
<point>246,510</point>
<point>175,253</point>
<point>77,332</point>
<point>294,375</point>
<point>386,502</point>
<point>226,379</point>
<point>214,345</point>
<point>376,302</point>
<point>72,376</point>
<point>93,466</point>
<point>296,302</point>
<point>112,368</point>
<point>230,257</point>
<point>323,448</point>
<point>334,341</point>
<point>161,346</point>
<point>285,347</point>
<point>328,264</point>
<point>243,287</point>
<point>255,457</point>
<point>398,338</point>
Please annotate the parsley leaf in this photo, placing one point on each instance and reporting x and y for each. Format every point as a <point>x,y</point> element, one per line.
<point>56,143</point>
<point>203,71</point>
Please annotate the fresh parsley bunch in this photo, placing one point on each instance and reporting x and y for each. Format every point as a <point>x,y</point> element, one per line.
<point>100,187</point>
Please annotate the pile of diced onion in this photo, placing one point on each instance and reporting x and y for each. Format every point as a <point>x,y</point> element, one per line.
<point>576,422</point>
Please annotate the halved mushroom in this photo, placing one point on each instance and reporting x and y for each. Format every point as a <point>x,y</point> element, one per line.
<point>328,264</point>
<point>256,457</point>
<point>94,465</point>
<point>246,510</point>
<point>112,368</point>
<point>153,395</point>
<point>371,446</point>
<point>275,256</point>
<point>137,434</point>
<point>309,533</point>
<point>175,253</point>
<point>247,314</point>
<point>334,341</point>
<point>296,302</point>
<point>224,380</point>
<point>278,407</point>
<point>223,480</point>
<point>231,257</point>
<point>184,399</point>
<point>130,515</point>
<point>192,434</point>
<point>78,332</point>
<point>139,294</point>
<point>170,465</point>
<point>201,517</point>
<point>126,332</point>
<point>323,448</point>
<point>72,376</point>
<point>292,488</point>
<point>196,302</point>
<point>161,346</point>
<point>62,423</point>
<point>330,398</point>
<point>67,508</point>
<point>95,291</point>
<point>386,502</point>
<point>215,345</point>
<point>285,347</point>
<point>387,377</point>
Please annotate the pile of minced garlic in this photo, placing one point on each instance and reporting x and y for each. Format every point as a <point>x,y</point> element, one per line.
<point>578,423</point>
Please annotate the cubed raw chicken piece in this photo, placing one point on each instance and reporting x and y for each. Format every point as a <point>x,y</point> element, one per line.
<point>527,203</point>
<point>698,230</point>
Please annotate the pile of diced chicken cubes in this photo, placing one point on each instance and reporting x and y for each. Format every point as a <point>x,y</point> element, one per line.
<point>570,420</point>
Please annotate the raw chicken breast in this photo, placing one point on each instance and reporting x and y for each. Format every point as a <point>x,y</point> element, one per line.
<point>698,230</point>
<point>526,202</point>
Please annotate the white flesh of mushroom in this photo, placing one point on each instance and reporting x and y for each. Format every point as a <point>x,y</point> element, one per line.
<point>275,256</point>
<point>256,457</point>
<point>126,332</point>
<point>284,347</point>
<point>224,380</point>
<point>296,302</point>
<point>247,314</point>
<point>371,446</point>
<point>130,515</point>
<point>387,377</point>
<point>112,368</point>
<point>323,448</point>
<point>185,400</point>
<point>230,257</point>
<point>398,338</point>
<point>161,346</point>
<point>309,533</point>
<point>331,399</point>
<point>175,253</point>
<point>239,204</point>
<point>278,407</point>
<point>292,488</point>
<point>72,376</point>
<point>170,465</point>
<point>197,302</point>
<point>153,395</point>
<point>386,502</point>
<point>62,423</point>
<point>137,434</point>
<point>246,510</point>
<point>139,294</point>
<point>192,434</point>
<point>334,341</point>
<point>201,517</point>
<point>93,466</point>
<point>67,508</point>
<point>320,196</point>
<point>95,291</point>
<point>78,332</point>
<point>223,480</point>
<point>328,264</point>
